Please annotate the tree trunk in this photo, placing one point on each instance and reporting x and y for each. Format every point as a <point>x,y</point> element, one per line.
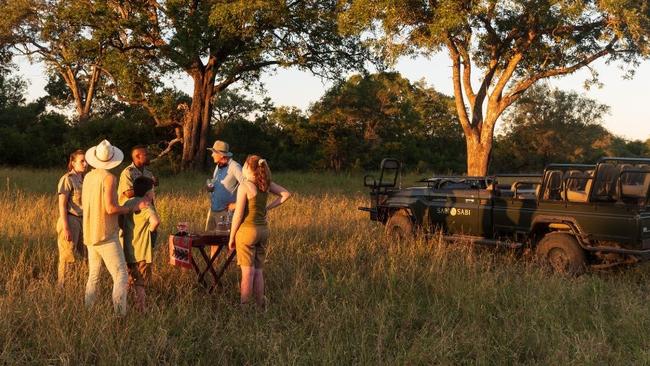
<point>206,117</point>
<point>187,139</point>
<point>478,156</point>
<point>83,115</point>
<point>82,112</point>
<point>197,125</point>
<point>83,106</point>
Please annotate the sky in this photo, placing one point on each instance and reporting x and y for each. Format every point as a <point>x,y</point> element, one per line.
<point>627,99</point>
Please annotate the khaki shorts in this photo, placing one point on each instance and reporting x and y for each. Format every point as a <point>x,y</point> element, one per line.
<point>251,243</point>
<point>139,273</point>
<point>67,248</point>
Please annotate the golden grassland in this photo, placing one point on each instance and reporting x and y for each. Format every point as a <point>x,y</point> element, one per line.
<point>339,293</point>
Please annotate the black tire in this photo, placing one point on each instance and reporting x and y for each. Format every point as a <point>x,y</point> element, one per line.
<point>562,253</point>
<point>399,226</point>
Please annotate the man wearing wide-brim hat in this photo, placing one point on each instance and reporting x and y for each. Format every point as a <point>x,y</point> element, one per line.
<point>99,202</point>
<point>223,185</point>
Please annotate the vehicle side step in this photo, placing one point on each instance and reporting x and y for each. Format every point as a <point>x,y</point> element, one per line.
<point>484,241</point>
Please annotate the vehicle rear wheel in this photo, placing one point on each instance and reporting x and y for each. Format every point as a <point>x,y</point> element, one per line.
<point>562,253</point>
<point>399,226</point>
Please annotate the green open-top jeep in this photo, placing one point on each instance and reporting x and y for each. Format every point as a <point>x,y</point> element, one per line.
<point>573,215</point>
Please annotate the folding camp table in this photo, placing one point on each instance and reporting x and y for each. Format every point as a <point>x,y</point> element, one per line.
<point>208,240</point>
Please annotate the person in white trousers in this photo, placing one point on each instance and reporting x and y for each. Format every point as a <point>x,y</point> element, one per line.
<point>99,201</point>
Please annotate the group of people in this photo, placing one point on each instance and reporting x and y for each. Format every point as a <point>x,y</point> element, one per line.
<point>115,222</point>
<point>108,221</point>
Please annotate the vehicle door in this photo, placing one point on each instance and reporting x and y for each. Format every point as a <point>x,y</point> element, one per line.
<point>592,202</point>
<point>456,211</point>
<point>613,211</point>
<point>485,212</point>
<point>551,196</point>
<point>514,209</point>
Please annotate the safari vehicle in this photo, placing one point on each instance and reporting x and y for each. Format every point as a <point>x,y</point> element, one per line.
<point>574,216</point>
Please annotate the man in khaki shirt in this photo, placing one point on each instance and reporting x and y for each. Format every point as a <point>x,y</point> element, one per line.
<point>138,168</point>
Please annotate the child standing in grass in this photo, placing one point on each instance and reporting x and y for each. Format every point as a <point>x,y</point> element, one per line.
<point>138,238</point>
<point>250,231</point>
<point>68,226</point>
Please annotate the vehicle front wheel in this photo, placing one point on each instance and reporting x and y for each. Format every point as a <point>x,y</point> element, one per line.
<point>399,226</point>
<point>563,253</point>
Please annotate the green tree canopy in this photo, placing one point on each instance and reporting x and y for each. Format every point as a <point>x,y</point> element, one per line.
<point>369,117</point>
<point>549,125</point>
<point>61,35</point>
<point>235,104</point>
<point>12,88</point>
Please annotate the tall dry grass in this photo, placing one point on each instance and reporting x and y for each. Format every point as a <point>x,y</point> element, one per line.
<point>339,293</point>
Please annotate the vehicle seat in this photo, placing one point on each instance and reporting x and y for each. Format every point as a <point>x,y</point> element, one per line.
<point>506,193</point>
<point>574,180</point>
<point>491,190</point>
<point>604,185</point>
<point>577,186</point>
<point>580,196</point>
<point>553,187</point>
<point>524,191</point>
<point>630,178</point>
<point>635,184</point>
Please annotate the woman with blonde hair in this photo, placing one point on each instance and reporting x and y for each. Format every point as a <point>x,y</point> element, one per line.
<point>68,225</point>
<point>250,231</point>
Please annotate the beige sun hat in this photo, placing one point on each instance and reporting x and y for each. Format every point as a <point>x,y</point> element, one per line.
<point>104,156</point>
<point>221,147</point>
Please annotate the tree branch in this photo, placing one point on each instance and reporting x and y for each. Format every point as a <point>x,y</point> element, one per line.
<point>235,75</point>
<point>467,72</point>
<point>458,94</point>
<point>511,66</point>
<point>168,149</point>
<point>523,85</point>
<point>94,79</point>
<point>567,29</point>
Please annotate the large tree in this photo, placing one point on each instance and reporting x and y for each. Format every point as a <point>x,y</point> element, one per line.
<point>58,33</point>
<point>218,43</point>
<point>500,48</point>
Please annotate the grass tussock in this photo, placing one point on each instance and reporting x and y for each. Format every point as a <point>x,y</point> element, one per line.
<point>339,292</point>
